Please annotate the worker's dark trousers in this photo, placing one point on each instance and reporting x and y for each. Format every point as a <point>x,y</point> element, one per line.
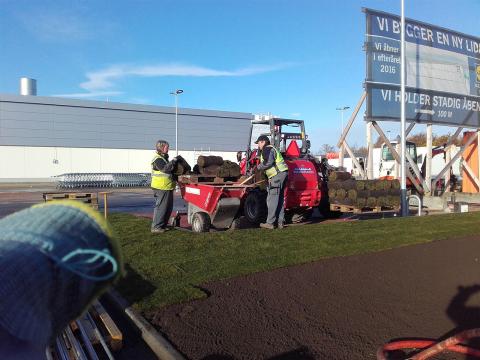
<point>163,208</point>
<point>275,198</point>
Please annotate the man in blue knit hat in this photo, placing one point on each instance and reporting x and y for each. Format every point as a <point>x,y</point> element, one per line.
<point>55,259</point>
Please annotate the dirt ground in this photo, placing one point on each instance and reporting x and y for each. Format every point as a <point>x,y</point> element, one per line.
<point>341,308</point>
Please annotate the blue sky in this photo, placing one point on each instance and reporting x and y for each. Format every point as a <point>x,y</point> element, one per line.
<point>293,58</point>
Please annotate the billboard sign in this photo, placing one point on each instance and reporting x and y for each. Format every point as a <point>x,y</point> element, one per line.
<point>442,72</point>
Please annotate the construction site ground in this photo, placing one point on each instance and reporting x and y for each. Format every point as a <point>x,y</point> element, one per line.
<point>252,299</point>
<point>340,308</point>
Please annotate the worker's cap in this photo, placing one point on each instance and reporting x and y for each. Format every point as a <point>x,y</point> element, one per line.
<point>55,258</point>
<point>262,138</point>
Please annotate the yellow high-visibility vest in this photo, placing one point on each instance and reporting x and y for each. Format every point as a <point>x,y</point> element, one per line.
<point>161,180</point>
<point>278,166</point>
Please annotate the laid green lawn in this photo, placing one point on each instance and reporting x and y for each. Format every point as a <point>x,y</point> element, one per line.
<point>169,268</point>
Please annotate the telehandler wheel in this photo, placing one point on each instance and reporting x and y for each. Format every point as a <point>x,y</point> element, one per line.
<point>201,222</point>
<point>255,207</point>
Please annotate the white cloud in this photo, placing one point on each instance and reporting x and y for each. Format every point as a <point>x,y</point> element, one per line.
<point>139,100</point>
<point>90,94</point>
<point>105,78</point>
<point>56,25</point>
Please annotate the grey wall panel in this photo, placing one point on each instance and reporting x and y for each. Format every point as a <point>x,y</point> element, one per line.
<point>41,141</point>
<point>26,116</point>
<point>17,124</point>
<point>46,121</point>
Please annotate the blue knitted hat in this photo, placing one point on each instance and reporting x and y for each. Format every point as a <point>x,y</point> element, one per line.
<point>55,259</point>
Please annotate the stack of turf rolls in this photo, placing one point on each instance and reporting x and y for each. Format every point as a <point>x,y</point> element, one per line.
<point>343,190</point>
<point>216,166</point>
<point>208,165</point>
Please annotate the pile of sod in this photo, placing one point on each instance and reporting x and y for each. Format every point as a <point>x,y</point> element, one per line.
<point>170,268</point>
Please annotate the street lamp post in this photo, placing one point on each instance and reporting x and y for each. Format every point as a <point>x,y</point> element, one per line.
<point>342,110</point>
<point>403,167</point>
<point>176,93</point>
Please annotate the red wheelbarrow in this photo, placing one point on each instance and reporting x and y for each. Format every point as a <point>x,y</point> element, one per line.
<point>210,204</point>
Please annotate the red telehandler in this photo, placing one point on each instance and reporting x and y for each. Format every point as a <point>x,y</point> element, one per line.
<point>307,177</point>
<point>218,205</point>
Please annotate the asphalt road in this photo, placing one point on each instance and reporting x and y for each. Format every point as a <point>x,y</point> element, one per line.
<point>136,201</point>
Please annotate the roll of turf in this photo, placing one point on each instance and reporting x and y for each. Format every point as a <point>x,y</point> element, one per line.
<point>370,184</point>
<point>206,161</point>
<point>182,166</point>
<point>371,202</point>
<point>332,193</point>
<point>360,202</point>
<point>360,184</point>
<point>209,170</point>
<point>339,175</point>
<point>341,194</point>
<point>335,185</point>
<point>395,184</point>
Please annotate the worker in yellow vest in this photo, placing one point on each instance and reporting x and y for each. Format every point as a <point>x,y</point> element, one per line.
<point>271,161</point>
<point>163,184</point>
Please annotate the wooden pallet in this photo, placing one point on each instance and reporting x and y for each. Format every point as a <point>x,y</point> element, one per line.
<point>93,332</point>
<point>113,334</point>
<point>355,210</point>
<point>343,208</point>
<point>196,179</point>
<point>87,198</point>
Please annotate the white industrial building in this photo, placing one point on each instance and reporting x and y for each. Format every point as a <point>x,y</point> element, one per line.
<point>42,137</point>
